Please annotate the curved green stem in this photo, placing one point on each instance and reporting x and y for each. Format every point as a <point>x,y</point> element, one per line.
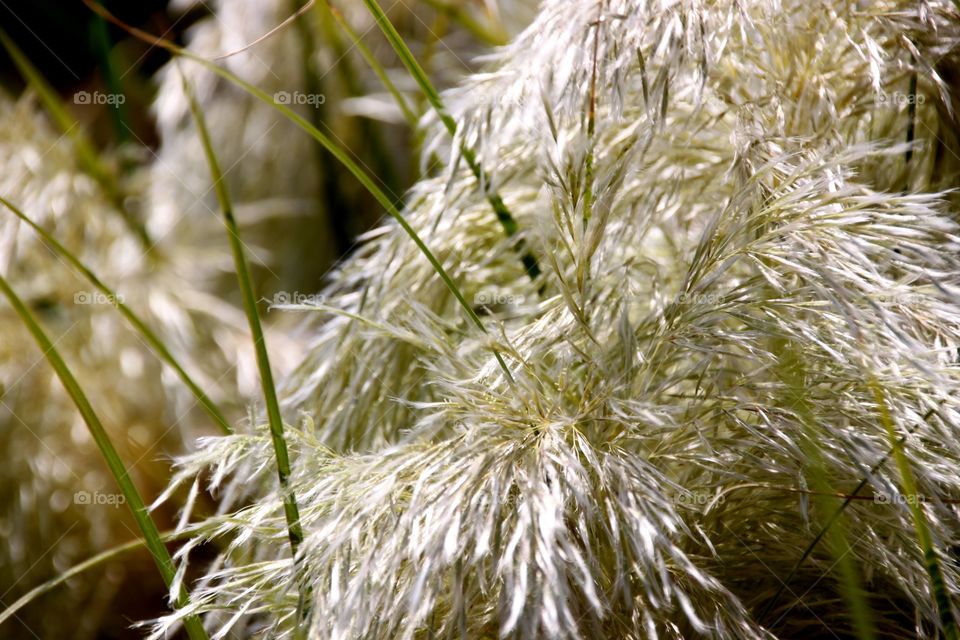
<point>924,538</point>
<point>375,66</point>
<point>135,321</point>
<point>506,219</point>
<point>290,508</point>
<point>140,514</point>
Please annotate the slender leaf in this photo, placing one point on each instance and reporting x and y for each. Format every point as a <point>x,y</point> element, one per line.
<point>375,66</point>
<point>924,538</point>
<point>135,321</point>
<point>142,517</point>
<point>506,219</point>
<point>290,508</point>
<point>78,569</point>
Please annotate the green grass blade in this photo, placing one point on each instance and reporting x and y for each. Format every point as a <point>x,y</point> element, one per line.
<point>834,518</point>
<point>506,219</point>
<point>70,573</point>
<point>361,176</point>
<point>369,130</point>
<point>78,569</point>
<point>290,507</point>
<point>330,190</point>
<point>933,567</point>
<point>100,36</point>
<point>409,113</point>
<point>135,321</point>
<point>791,373</point>
<point>924,538</point>
<point>410,62</point>
<point>375,66</point>
<point>142,517</point>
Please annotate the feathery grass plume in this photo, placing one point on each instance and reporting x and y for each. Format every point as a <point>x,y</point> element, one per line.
<point>756,233</point>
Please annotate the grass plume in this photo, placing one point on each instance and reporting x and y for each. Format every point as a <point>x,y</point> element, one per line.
<point>732,404</point>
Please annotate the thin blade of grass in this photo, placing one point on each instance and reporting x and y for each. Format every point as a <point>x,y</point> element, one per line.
<point>506,219</point>
<point>78,569</point>
<point>336,151</point>
<point>924,538</point>
<point>835,517</point>
<point>142,517</point>
<point>291,509</point>
<point>791,372</point>
<point>409,113</point>
<point>135,321</point>
<point>100,36</point>
<point>831,521</point>
<point>381,160</point>
<point>244,279</point>
<point>375,66</point>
